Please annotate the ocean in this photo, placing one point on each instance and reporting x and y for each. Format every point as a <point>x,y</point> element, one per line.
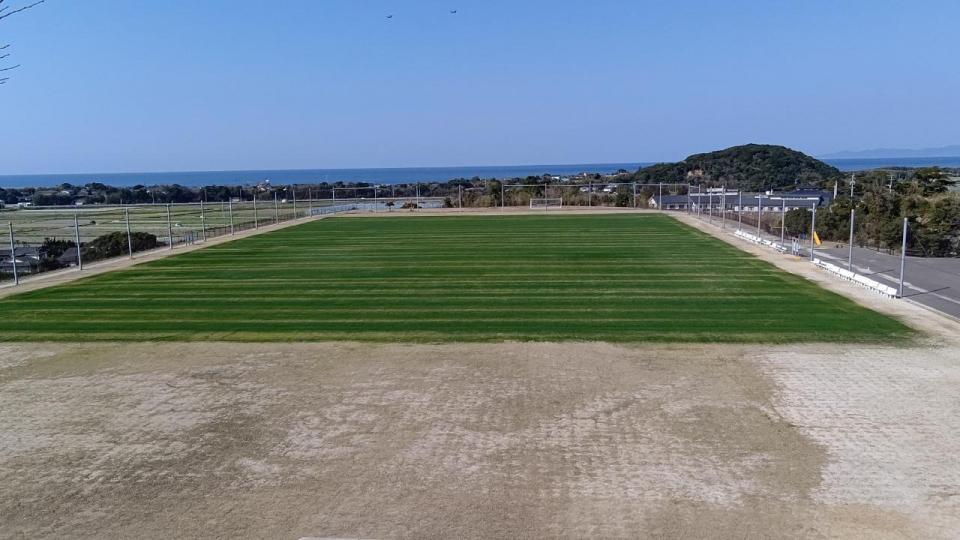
<point>309,176</point>
<point>394,176</point>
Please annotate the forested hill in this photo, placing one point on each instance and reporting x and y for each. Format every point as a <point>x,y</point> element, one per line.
<point>750,167</point>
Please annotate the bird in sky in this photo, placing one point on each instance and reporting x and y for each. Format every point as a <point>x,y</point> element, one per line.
<point>453,12</point>
<point>389,16</point>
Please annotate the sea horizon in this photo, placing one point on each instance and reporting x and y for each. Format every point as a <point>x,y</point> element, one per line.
<point>396,175</point>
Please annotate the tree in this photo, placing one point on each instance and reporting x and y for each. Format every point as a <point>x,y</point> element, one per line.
<point>798,222</point>
<point>7,11</point>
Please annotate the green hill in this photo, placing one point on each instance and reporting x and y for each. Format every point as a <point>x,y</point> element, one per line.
<point>749,167</point>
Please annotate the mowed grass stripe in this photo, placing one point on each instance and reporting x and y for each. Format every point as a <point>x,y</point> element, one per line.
<point>621,278</point>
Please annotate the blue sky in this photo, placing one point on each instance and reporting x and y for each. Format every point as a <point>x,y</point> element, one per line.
<point>141,85</point>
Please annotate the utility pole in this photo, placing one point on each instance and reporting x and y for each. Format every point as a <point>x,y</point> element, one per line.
<point>739,209</point>
<point>813,232</point>
<point>126,215</point>
<point>76,226</point>
<point>853,219</point>
<point>723,208</point>
<point>170,227</point>
<point>710,203</point>
<point>903,254</point>
<point>759,213</point>
<point>13,254</point>
<point>203,222</point>
<point>783,220</point>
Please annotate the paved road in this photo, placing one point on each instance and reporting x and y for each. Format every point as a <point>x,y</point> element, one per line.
<point>934,283</point>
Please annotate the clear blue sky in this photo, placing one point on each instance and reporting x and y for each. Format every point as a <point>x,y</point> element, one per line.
<point>143,85</point>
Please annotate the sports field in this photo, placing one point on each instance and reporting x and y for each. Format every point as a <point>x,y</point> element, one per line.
<point>619,278</point>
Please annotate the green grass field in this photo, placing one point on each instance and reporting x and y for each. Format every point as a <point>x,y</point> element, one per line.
<point>618,278</point>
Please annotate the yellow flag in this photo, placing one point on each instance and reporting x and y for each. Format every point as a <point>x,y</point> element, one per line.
<point>816,239</point>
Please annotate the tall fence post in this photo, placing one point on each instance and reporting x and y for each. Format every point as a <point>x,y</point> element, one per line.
<point>76,227</point>
<point>203,222</point>
<point>418,194</point>
<point>783,220</point>
<point>169,227</point>
<point>710,203</point>
<point>813,232</point>
<point>660,200</point>
<point>723,208</point>
<point>126,217</point>
<point>759,214</point>
<point>294,201</point>
<point>13,254</point>
<point>230,211</point>
<point>256,218</point>
<point>903,254</point>
<point>853,219</point>
<point>276,207</point>
<point>739,209</point>
<point>503,199</point>
<point>634,194</point>
<point>309,202</point>
<point>460,197</point>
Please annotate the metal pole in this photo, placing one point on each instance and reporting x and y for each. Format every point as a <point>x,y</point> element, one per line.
<point>76,226</point>
<point>256,218</point>
<point>230,209</point>
<point>783,220</point>
<point>169,227</point>
<point>460,198</point>
<point>126,215</point>
<point>813,232</point>
<point>590,196</point>
<point>503,201</point>
<point>376,199</point>
<point>634,194</point>
<point>739,209</point>
<point>310,203</point>
<point>661,196</point>
<point>759,213</point>
<point>903,255</point>
<point>689,200</point>
<point>276,207</point>
<point>418,194</point>
<point>723,208</point>
<point>710,202</point>
<point>853,218</point>
<point>294,201</point>
<point>13,255</point>
<point>203,222</point>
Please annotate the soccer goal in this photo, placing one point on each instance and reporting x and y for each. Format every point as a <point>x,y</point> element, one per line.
<point>545,204</point>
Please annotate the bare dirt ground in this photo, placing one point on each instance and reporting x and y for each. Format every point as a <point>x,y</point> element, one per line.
<point>221,440</point>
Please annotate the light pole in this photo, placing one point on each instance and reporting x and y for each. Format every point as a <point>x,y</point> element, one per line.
<point>903,255</point>
<point>759,213</point>
<point>853,219</point>
<point>813,232</point>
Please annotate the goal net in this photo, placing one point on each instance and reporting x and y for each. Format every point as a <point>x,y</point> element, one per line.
<point>544,204</point>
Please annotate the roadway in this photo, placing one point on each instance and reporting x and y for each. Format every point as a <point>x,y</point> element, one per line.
<point>933,282</point>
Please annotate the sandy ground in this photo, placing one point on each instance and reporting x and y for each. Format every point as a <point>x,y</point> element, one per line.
<point>467,441</point>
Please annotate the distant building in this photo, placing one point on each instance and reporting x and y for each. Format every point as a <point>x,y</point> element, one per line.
<point>731,201</point>
<point>26,260</point>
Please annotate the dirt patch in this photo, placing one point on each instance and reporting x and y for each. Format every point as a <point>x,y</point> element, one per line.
<point>505,440</point>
